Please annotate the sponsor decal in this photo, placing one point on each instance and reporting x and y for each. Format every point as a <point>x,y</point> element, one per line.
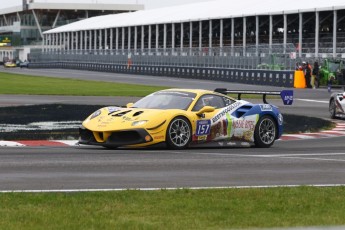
<point>105,120</point>
<point>244,124</point>
<point>159,137</point>
<point>233,129</point>
<point>202,138</point>
<point>203,127</point>
<point>229,124</point>
<point>243,129</point>
<point>287,96</point>
<point>225,111</point>
<point>126,118</point>
<point>266,107</point>
<point>219,130</point>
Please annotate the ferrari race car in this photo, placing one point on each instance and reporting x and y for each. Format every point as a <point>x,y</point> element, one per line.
<point>337,105</point>
<point>10,65</point>
<point>180,118</point>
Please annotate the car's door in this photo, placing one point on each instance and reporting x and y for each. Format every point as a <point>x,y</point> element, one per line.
<point>205,126</point>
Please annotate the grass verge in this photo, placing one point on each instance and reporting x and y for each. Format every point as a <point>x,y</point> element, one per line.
<point>175,209</point>
<point>31,85</point>
<point>11,83</point>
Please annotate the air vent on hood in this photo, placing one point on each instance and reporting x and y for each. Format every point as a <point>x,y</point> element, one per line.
<point>120,114</point>
<point>137,113</point>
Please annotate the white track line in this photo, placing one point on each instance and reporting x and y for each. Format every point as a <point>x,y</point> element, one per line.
<point>171,188</point>
<point>309,100</point>
<point>305,156</point>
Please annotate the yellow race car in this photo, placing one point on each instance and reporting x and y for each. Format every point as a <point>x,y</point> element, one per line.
<point>179,118</point>
<point>10,65</point>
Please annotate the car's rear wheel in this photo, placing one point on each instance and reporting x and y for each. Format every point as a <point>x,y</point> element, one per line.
<point>332,109</point>
<point>179,133</point>
<point>265,132</point>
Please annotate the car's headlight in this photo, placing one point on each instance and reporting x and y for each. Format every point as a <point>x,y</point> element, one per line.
<point>137,123</point>
<point>95,114</point>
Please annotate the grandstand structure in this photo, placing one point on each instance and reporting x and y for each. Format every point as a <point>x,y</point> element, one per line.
<point>274,31</point>
<point>22,26</point>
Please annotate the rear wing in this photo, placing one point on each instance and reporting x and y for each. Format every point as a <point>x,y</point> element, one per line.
<point>286,95</point>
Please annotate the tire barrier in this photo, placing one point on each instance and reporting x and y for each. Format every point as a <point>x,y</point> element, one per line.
<point>254,77</point>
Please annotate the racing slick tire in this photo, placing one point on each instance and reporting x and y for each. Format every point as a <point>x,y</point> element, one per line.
<point>332,109</point>
<point>265,132</point>
<point>179,133</point>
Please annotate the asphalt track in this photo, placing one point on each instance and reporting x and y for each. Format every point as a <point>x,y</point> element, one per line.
<point>302,162</point>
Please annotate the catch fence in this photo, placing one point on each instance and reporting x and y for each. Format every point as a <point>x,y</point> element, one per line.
<point>276,57</point>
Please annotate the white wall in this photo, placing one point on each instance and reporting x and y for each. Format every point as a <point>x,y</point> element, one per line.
<point>23,53</point>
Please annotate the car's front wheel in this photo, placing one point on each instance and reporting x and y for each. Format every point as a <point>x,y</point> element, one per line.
<point>332,109</point>
<point>265,132</point>
<point>179,133</point>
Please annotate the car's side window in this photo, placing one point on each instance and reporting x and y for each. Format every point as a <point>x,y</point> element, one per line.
<point>209,100</point>
<point>228,101</point>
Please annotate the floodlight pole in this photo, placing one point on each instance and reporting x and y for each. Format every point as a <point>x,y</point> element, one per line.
<point>285,32</point>
<point>334,33</point>
<point>317,32</point>
<point>300,35</point>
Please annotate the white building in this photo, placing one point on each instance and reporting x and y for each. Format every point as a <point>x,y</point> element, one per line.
<point>22,25</point>
<point>315,27</point>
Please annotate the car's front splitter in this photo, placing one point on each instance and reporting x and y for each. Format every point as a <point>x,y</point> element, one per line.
<point>116,138</point>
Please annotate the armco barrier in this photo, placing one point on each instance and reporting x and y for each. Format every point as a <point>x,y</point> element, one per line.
<point>255,77</point>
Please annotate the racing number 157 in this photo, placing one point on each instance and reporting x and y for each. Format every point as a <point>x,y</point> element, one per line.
<point>203,127</point>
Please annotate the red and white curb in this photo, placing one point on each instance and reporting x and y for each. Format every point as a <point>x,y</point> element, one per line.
<point>55,143</point>
<point>338,131</point>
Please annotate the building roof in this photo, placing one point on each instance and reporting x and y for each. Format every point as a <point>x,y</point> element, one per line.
<point>84,6</point>
<point>10,10</point>
<point>72,6</point>
<point>201,11</point>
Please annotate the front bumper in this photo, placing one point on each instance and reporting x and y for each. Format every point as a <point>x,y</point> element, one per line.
<point>116,139</point>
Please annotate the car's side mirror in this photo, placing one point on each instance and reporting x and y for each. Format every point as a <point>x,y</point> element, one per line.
<point>129,105</point>
<point>205,109</point>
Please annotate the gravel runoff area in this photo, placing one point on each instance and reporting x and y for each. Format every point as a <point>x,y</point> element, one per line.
<point>61,122</point>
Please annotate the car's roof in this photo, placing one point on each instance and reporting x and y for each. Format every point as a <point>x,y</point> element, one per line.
<point>197,91</point>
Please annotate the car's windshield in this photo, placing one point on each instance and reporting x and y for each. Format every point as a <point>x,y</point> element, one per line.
<point>166,100</point>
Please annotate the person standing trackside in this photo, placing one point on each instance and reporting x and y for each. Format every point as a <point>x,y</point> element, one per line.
<point>315,76</point>
<point>308,74</point>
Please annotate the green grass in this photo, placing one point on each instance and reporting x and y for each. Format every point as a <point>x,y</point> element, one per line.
<point>33,85</point>
<point>175,209</point>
